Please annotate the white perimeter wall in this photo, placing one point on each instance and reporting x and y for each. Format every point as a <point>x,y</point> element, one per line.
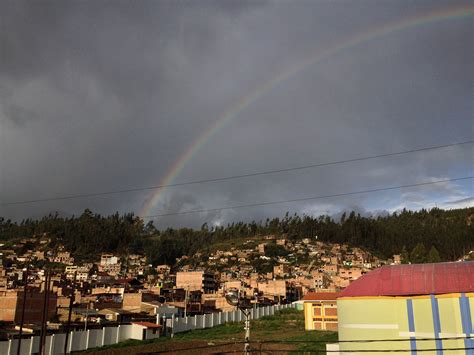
<point>82,340</point>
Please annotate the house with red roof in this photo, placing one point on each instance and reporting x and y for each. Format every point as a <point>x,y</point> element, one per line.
<point>147,330</point>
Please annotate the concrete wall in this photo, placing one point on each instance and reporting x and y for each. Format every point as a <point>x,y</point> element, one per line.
<point>192,280</point>
<point>77,340</point>
<point>408,319</point>
<point>92,338</point>
<point>132,301</point>
<point>95,338</point>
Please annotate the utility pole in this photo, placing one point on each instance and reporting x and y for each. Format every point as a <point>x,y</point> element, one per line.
<point>87,315</point>
<point>25,288</point>
<point>71,301</point>
<point>234,299</point>
<point>247,331</point>
<point>186,302</point>
<point>44,327</point>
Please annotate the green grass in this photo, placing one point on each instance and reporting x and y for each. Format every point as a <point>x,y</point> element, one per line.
<point>323,336</point>
<point>285,325</point>
<point>123,344</point>
<point>288,325</point>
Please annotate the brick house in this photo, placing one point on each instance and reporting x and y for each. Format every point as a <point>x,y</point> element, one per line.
<point>11,306</point>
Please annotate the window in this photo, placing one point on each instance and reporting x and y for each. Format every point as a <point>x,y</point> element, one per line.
<point>330,311</point>
<point>317,311</point>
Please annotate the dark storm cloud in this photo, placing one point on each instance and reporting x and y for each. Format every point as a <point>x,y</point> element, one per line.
<point>98,96</point>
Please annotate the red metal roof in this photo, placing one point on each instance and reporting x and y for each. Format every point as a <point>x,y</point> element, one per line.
<point>321,296</point>
<point>414,279</point>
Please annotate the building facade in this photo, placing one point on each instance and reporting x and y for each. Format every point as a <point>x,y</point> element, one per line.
<point>196,281</point>
<point>320,311</point>
<point>11,306</point>
<point>425,306</point>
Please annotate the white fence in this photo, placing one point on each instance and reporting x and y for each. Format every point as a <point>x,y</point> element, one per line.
<point>185,324</point>
<point>93,338</point>
<point>78,340</point>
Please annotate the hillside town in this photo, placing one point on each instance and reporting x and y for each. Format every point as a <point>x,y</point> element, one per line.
<point>45,290</point>
<point>118,288</point>
<point>223,176</point>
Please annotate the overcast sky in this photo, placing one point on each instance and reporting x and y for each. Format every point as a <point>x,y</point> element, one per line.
<point>105,95</point>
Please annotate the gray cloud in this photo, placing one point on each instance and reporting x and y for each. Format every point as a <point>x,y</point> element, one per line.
<point>463,200</point>
<point>98,96</point>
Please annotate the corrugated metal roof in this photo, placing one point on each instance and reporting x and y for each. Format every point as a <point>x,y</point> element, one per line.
<point>414,279</point>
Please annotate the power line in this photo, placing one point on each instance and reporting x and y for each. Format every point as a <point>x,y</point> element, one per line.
<point>263,342</point>
<point>354,351</point>
<point>260,343</point>
<point>309,198</point>
<point>369,340</point>
<point>193,348</point>
<point>232,177</point>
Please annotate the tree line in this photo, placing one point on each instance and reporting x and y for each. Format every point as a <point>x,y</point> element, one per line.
<point>420,236</point>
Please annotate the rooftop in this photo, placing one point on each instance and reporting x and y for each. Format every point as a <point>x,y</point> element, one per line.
<point>320,296</point>
<point>414,279</point>
<point>147,324</point>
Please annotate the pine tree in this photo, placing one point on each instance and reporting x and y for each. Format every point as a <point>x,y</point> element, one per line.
<point>405,258</point>
<point>433,256</point>
<point>418,254</point>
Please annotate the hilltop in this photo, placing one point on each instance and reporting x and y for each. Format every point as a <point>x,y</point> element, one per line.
<point>449,232</point>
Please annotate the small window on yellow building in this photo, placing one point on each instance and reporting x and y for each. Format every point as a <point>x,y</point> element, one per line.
<point>317,311</point>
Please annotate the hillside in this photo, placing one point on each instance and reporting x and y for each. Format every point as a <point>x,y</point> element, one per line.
<point>450,232</point>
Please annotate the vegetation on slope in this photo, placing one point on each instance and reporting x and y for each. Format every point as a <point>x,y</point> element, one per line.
<point>423,235</point>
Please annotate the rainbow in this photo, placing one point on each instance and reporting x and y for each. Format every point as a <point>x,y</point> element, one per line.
<point>259,91</point>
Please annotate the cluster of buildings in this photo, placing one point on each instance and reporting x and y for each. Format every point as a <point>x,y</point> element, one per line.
<point>340,289</point>
<point>303,266</point>
<point>125,288</point>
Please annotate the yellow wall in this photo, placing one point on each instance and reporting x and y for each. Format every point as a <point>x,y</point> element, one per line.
<point>388,318</point>
<point>328,315</point>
